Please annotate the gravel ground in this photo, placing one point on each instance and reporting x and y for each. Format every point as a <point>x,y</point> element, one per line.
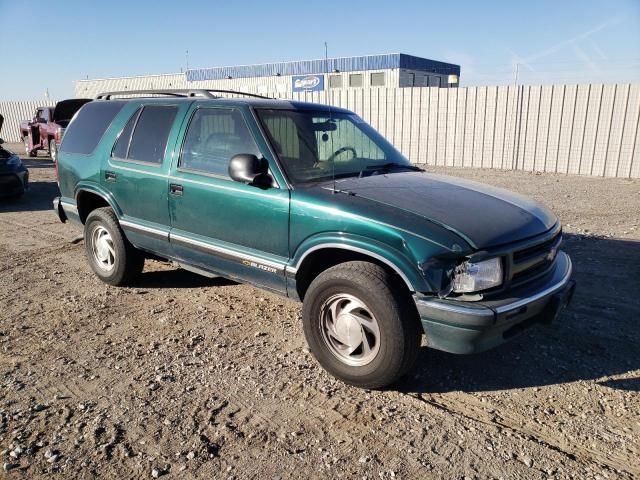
<point>188,377</point>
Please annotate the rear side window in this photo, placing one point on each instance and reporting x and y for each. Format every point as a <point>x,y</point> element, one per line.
<point>151,133</point>
<point>87,129</point>
<point>144,137</point>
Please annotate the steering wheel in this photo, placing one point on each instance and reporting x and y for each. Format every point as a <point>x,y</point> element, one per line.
<point>342,150</point>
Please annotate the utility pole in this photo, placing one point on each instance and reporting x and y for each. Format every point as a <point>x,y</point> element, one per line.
<point>187,57</point>
<point>515,76</point>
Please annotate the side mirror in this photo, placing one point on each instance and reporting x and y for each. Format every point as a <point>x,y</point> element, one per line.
<point>246,168</point>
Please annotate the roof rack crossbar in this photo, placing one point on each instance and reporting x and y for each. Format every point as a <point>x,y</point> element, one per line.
<point>181,92</point>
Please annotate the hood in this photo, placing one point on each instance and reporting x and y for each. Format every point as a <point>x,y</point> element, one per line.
<point>483,215</point>
<point>66,109</point>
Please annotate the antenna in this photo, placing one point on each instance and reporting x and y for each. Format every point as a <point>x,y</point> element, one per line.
<point>333,161</point>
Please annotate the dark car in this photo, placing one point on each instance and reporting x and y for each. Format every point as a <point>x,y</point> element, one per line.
<point>14,176</point>
<point>310,202</point>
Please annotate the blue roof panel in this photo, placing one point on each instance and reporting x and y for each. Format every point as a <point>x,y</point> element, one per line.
<point>309,67</point>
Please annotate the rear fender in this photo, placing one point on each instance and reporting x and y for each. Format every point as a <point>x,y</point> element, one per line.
<point>99,191</point>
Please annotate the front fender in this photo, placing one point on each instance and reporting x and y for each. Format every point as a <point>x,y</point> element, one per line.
<point>400,261</point>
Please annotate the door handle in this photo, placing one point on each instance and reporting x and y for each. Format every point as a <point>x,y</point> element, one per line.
<point>175,189</point>
<point>110,176</point>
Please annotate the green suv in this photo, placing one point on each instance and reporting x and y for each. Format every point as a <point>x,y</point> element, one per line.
<point>310,202</point>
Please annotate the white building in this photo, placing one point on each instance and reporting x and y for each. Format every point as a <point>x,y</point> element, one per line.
<point>283,78</point>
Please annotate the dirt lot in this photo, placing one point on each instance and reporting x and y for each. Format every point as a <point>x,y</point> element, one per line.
<point>188,377</point>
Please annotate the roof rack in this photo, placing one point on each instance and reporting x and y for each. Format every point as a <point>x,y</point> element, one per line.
<point>180,92</point>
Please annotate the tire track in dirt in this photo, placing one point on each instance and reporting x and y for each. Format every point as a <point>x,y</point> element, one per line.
<point>468,409</point>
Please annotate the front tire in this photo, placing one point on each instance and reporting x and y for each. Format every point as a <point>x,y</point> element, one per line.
<point>112,258</point>
<point>361,324</point>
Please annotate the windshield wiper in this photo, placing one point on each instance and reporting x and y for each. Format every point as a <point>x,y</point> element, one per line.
<point>388,166</point>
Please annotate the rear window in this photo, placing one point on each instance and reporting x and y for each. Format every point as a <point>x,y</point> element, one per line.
<point>88,127</point>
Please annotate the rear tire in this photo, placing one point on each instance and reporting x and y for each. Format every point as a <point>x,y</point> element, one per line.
<point>361,324</point>
<point>111,256</point>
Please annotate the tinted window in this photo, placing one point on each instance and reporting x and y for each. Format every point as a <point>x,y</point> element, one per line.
<point>214,136</point>
<point>151,133</point>
<point>122,144</point>
<point>87,129</point>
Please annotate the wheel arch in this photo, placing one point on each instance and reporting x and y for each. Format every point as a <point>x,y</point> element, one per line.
<point>90,197</point>
<point>317,255</point>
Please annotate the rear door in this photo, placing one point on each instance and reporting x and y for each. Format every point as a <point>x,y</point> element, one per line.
<point>136,173</point>
<point>237,230</point>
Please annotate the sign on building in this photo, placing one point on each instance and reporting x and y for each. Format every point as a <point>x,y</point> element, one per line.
<point>307,83</point>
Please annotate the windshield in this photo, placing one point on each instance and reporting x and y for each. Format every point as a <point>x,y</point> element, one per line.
<point>312,144</point>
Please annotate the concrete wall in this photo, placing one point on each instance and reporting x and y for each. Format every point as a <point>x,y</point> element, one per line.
<point>578,129</point>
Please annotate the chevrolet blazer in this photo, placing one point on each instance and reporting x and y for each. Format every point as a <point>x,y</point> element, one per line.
<point>310,202</point>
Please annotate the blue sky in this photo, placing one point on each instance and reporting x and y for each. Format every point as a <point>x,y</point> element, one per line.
<point>46,45</point>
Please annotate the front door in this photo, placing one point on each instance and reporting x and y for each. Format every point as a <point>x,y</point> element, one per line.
<point>237,230</point>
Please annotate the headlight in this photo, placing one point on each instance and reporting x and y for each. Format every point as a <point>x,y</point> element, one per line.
<point>473,277</point>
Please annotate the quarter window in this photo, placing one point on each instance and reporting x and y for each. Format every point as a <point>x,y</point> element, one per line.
<point>214,136</point>
<point>86,130</point>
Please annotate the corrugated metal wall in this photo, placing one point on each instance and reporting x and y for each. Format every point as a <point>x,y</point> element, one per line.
<point>578,129</point>
<point>14,112</point>
<point>575,129</point>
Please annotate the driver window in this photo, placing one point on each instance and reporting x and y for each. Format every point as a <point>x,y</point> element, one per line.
<point>214,136</point>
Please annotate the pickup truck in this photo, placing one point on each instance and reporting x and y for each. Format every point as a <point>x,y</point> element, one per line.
<point>44,131</point>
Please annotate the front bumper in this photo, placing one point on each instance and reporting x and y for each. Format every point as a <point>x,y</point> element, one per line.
<point>469,327</point>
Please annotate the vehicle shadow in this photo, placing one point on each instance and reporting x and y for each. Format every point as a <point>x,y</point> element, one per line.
<point>597,337</point>
<point>39,197</point>
<point>178,278</point>
<point>38,163</point>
